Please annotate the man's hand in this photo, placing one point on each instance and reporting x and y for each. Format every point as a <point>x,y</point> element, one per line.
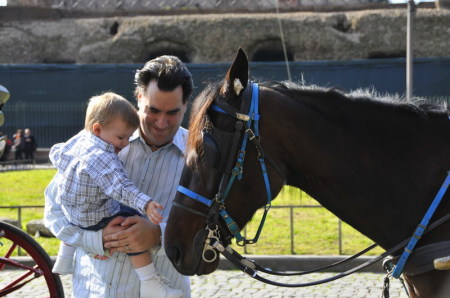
<point>131,234</point>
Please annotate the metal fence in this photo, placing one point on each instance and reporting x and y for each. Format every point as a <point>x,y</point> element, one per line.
<point>19,210</point>
<point>292,221</point>
<point>17,165</point>
<point>291,218</point>
<point>54,101</point>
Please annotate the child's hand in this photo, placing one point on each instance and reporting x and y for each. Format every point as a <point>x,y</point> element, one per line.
<point>152,213</point>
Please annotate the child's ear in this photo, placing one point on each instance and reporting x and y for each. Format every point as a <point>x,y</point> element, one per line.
<point>96,129</point>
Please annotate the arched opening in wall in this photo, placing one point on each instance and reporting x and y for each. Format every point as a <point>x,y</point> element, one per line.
<point>270,50</point>
<point>156,48</point>
<point>382,55</point>
<point>114,28</point>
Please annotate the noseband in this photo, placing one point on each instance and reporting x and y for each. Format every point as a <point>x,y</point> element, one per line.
<point>248,117</point>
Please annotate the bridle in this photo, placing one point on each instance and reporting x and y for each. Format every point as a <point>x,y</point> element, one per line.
<point>246,130</point>
<point>217,208</point>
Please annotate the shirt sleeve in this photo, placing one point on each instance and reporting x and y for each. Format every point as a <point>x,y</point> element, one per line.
<point>109,174</point>
<point>58,224</point>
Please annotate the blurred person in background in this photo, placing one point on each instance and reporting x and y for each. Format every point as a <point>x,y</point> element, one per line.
<point>30,144</point>
<point>18,144</point>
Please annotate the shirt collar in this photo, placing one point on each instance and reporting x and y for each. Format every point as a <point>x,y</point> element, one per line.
<point>179,140</point>
<point>100,143</point>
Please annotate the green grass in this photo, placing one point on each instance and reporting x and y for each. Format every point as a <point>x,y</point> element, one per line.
<point>315,229</point>
<point>26,188</point>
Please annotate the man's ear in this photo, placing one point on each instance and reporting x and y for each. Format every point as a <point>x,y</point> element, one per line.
<point>139,100</point>
<point>96,129</point>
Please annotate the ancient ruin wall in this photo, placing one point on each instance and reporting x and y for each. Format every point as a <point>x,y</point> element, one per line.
<point>211,38</point>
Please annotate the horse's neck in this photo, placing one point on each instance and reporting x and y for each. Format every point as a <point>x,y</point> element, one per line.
<point>359,166</point>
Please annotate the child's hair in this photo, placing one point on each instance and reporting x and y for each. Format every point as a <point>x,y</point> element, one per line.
<point>106,107</point>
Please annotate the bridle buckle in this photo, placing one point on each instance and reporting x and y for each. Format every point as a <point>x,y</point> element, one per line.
<point>213,237</point>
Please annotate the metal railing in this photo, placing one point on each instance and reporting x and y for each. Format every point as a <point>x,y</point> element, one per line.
<point>19,210</point>
<point>16,165</point>
<point>19,219</point>
<point>292,225</point>
<point>291,209</point>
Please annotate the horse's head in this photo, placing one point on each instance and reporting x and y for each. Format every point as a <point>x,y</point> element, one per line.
<point>208,207</point>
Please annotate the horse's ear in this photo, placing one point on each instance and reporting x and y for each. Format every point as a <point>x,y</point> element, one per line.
<point>237,75</point>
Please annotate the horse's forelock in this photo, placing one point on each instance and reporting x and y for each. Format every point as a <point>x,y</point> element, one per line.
<point>197,123</point>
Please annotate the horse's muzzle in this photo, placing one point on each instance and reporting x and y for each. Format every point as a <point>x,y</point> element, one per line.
<point>190,261</point>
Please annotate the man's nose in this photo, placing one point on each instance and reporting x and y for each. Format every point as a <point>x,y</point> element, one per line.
<point>161,122</point>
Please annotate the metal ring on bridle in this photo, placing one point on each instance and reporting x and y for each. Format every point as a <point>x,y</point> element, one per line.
<point>205,257</point>
<point>213,236</point>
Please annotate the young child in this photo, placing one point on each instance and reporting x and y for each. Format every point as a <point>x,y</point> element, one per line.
<point>93,187</point>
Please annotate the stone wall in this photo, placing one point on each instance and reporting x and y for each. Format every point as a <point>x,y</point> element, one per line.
<point>211,38</point>
<point>111,5</point>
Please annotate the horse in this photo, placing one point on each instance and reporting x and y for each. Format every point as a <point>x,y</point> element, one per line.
<point>374,161</point>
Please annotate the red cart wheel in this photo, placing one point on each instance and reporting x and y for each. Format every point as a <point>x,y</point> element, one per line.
<point>11,239</point>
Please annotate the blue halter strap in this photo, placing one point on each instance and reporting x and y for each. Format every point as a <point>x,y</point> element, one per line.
<point>238,169</point>
<point>398,269</point>
<point>195,196</point>
<point>251,121</point>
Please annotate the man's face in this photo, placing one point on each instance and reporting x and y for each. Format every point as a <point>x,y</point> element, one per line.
<point>160,113</point>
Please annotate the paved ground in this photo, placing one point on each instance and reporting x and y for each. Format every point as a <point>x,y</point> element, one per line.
<point>229,283</point>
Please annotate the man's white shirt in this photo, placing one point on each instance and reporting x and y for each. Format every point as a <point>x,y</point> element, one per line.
<point>155,173</point>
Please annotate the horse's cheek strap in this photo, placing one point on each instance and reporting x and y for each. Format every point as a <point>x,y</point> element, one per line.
<point>232,225</point>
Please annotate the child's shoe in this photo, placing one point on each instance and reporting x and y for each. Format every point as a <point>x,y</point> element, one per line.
<point>157,287</point>
<point>63,266</point>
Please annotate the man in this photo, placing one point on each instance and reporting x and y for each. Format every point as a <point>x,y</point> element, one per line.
<point>30,144</point>
<point>153,160</point>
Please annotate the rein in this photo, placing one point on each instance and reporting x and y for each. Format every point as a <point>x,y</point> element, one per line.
<point>251,268</point>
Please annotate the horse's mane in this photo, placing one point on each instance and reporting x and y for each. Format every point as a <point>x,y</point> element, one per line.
<point>197,122</point>
<point>416,106</point>
<point>426,107</point>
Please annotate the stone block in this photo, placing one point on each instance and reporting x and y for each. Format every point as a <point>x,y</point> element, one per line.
<point>36,228</point>
<point>10,221</point>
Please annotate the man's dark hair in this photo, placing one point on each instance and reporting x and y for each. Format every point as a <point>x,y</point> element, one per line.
<point>168,71</point>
